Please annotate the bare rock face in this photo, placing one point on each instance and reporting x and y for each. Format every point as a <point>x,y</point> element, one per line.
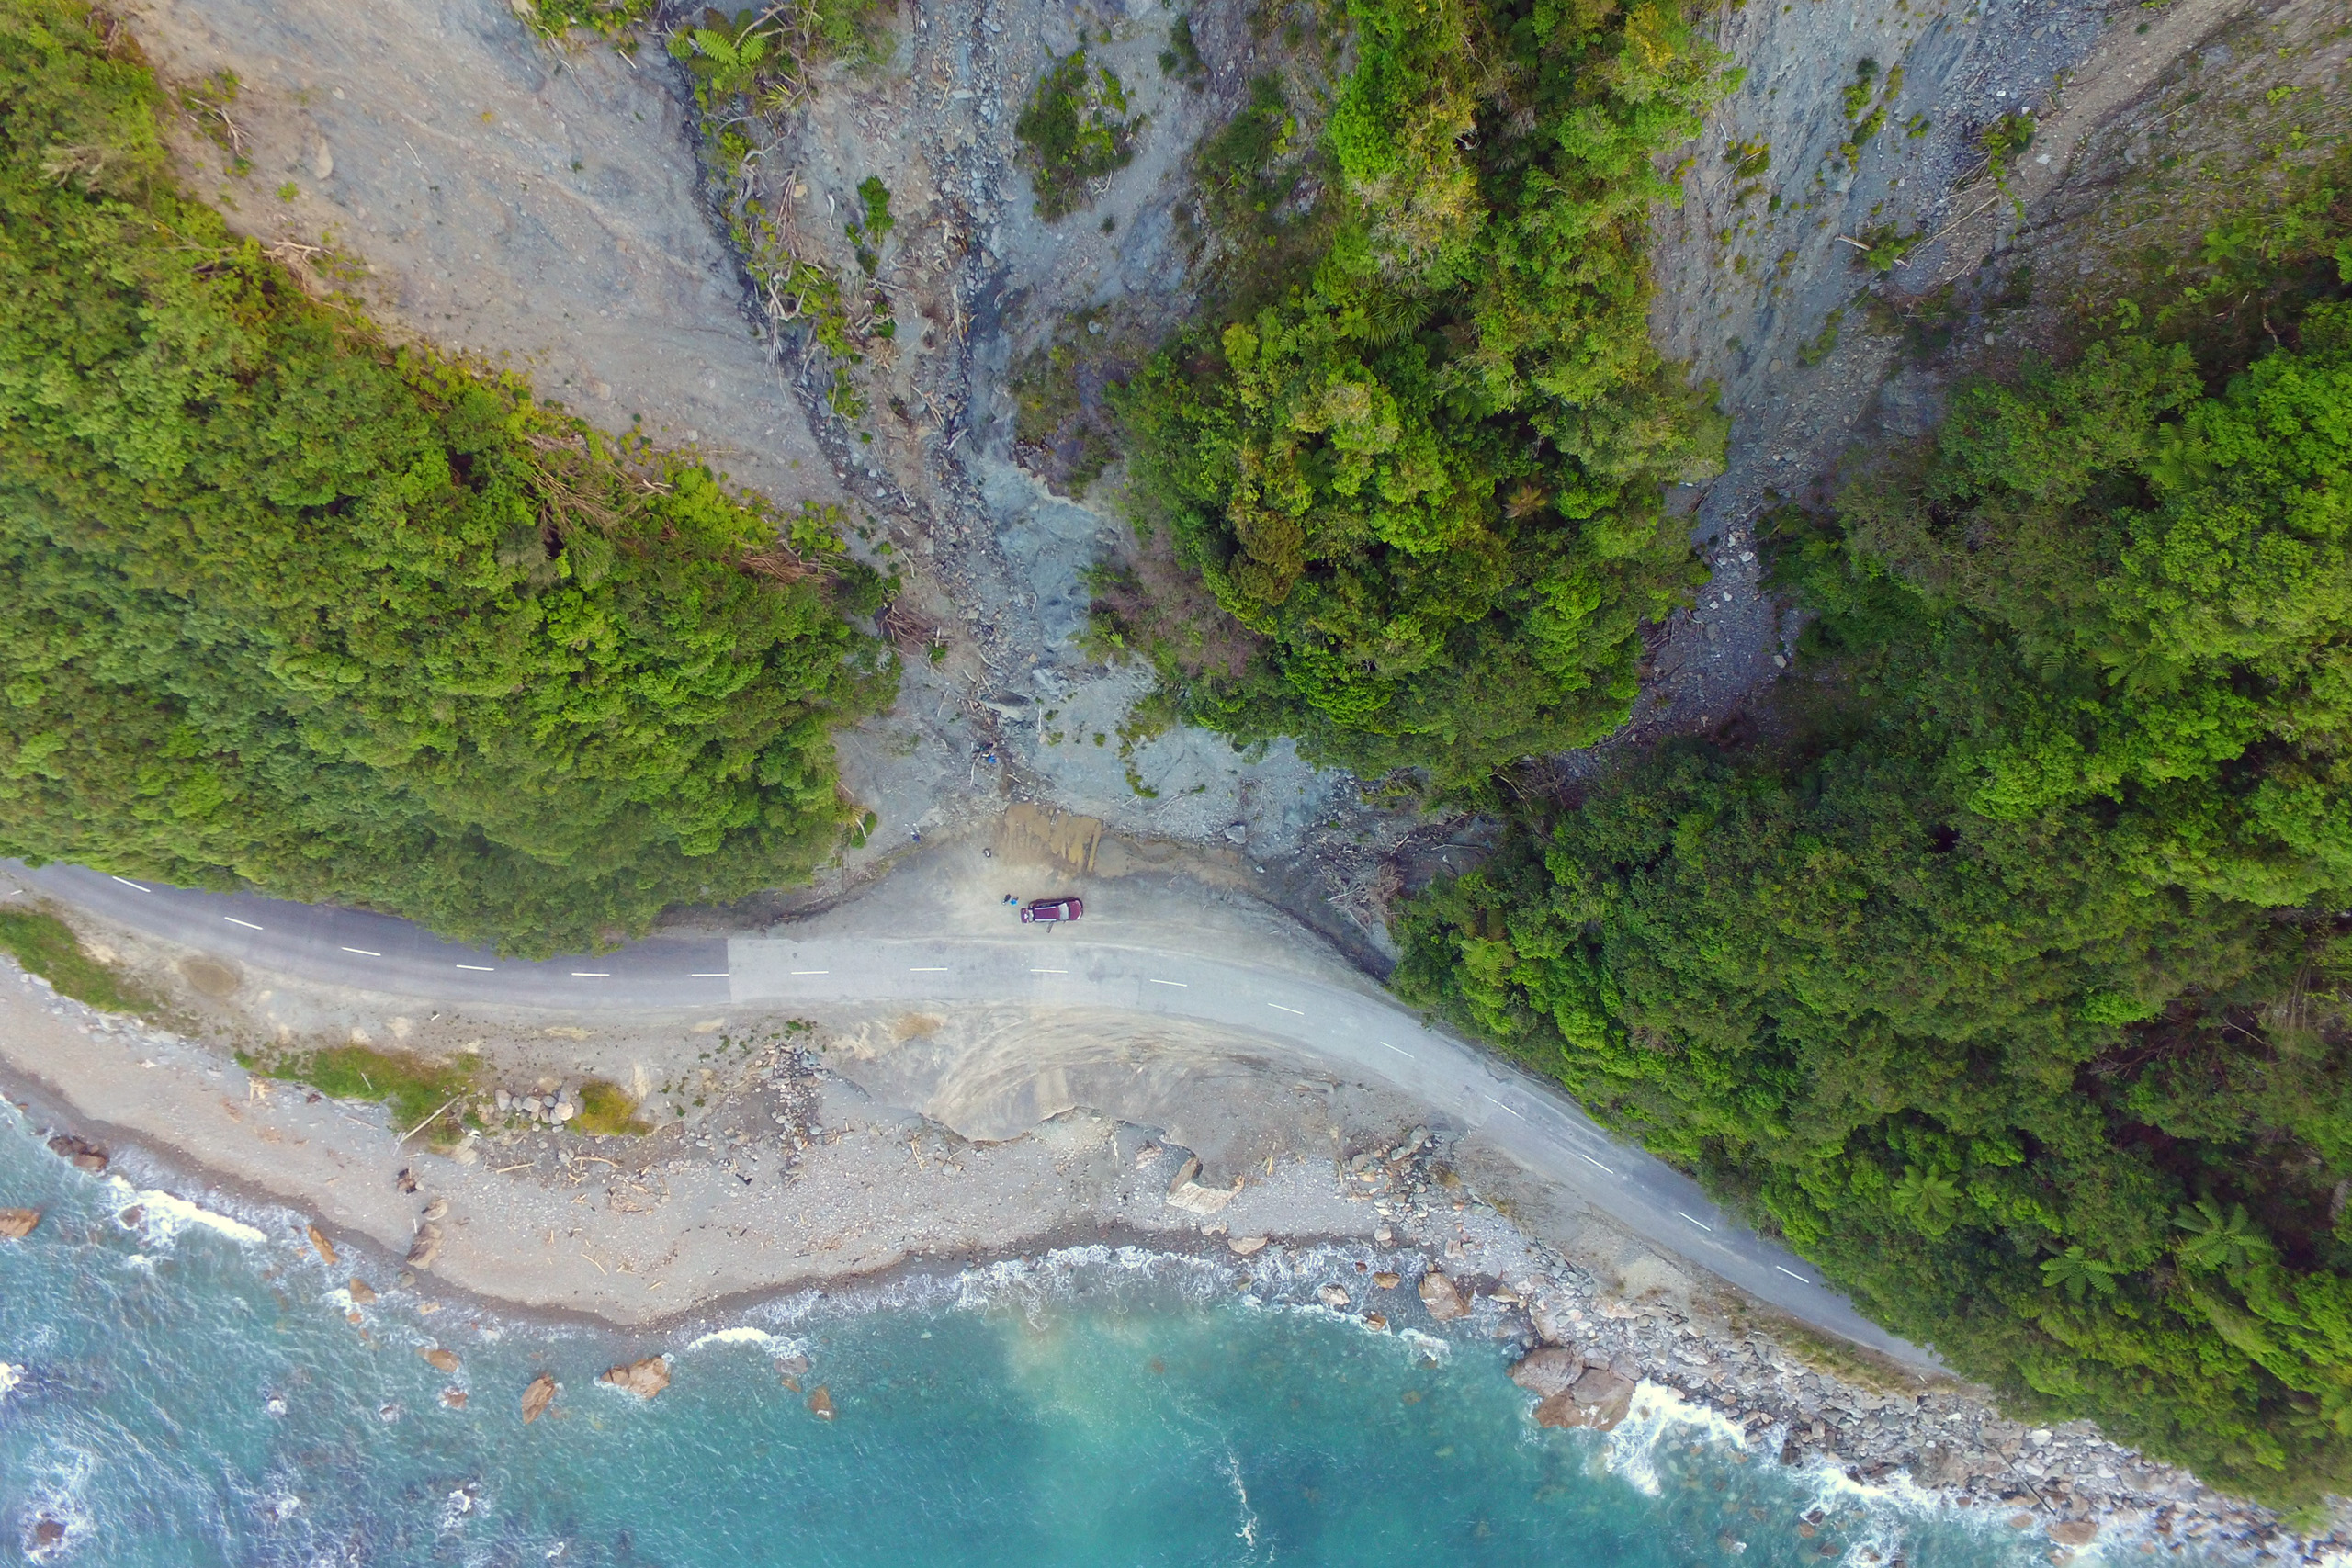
<point>426,1248</point>
<point>537,1397</point>
<point>1445,1299</point>
<point>1547,1369</point>
<point>17,1223</point>
<point>440,1360</point>
<point>1598,1400</point>
<point>644,1379</point>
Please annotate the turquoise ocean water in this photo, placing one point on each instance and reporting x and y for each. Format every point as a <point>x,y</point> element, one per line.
<point>188,1391</point>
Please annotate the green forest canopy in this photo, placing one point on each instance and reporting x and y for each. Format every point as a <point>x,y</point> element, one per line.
<point>2010,983</point>
<point>1427,469</point>
<point>288,608</point>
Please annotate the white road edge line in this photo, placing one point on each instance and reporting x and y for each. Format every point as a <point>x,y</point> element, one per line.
<point>363,953</point>
<point>128,882</point>
<point>247,924</point>
<point>1179,985</point>
<point>1701,1223</point>
<point>1500,1106</point>
<point>1793,1275</point>
<point>1279,1008</point>
<point>591,974</point>
<point>1590,1161</point>
<point>1402,1051</point>
<point>479,968</point>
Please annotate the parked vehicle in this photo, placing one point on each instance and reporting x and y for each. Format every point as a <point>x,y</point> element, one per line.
<point>1048,911</point>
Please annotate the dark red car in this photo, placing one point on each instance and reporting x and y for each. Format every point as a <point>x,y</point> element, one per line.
<point>1048,910</point>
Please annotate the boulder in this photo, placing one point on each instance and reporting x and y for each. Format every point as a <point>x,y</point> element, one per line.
<point>455,1398</point>
<point>1195,1199</point>
<point>1547,1369</point>
<point>1245,1246</point>
<point>1185,1173</point>
<point>436,1209</point>
<point>426,1248</point>
<point>1332,1296</point>
<point>362,1293</point>
<point>821,1403</point>
<point>17,1223</point>
<point>85,1155</point>
<point>1941,1464</point>
<point>1598,1400</point>
<point>1387,1280</point>
<point>2074,1532</point>
<point>644,1379</point>
<point>1377,1321</point>
<point>440,1360</point>
<point>1445,1299</point>
<point>326,1248</point>
<point>537,1397</point>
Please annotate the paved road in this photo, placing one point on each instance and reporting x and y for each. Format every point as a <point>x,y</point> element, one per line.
<point>1367,1035</point>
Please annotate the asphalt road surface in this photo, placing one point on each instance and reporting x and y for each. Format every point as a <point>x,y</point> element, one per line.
<point>1367,1035</point>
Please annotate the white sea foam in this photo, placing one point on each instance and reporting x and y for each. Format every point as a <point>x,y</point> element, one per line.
<point>741,1333</point>
<point>9,1378</point>
<point>1655,1414</point>
<point>166,1216</point>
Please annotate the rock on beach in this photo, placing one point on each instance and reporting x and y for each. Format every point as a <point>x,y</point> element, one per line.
<point>1598,1399</point>
<point>1443,1298</point>
<point>326,1248</point>
<point>1547,1370</point>
<point>427,1246</point>
<point>644,1379</point>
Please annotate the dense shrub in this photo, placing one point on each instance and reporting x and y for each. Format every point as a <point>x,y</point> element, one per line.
<point>2013,988</point>
<point>1428,468</point>
<point>288,608</point>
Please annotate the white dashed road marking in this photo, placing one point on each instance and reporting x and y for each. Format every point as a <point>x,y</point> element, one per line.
<point>709,974</point>
<point>1793,1275</point>
<point>479,968</point>
<point>1500,1106</point>
<point>1279,1008</point>
<point>363,953</point>
<point>1701,1223</point>
<point>1402,1051</point>
<point>591,974</point>
<point>1590,1161</point>
<point>1179,985</point>
<point>929,969</point>
<point>812,971</point>
<point>128,882</point>
<point>235,922</point>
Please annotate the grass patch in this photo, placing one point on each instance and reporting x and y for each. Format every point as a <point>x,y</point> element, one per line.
<point>1073,131</point>
<point>609,1110</point>
<point>615,19</point>
<point>413,1087</point>
<point>47,946</point>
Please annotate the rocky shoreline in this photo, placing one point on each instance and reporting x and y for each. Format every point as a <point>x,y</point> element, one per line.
<point>1440,1257</point>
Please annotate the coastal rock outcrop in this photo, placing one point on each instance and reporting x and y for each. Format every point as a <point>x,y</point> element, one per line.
<point>362,1293</point>
<point>1445,1299</point>
<point>1598,1399</point>
<point>325,1248</point>
<point>821,1403</point>
<point>644,1379</point>
<point>440,1360</point>
<point>426,1248</point>
<point>537,1397</point>
<point>17,1223</point>
<point>1547,1369</point>
<point>84,1154</point>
